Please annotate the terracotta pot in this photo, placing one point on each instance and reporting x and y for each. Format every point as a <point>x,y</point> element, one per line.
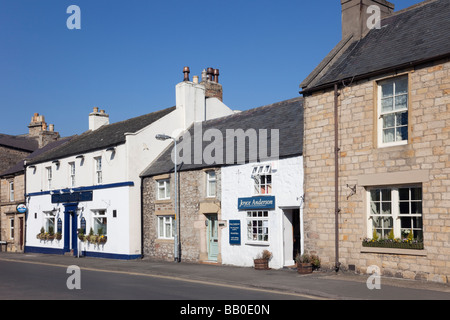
<point>261,264</point>
<point>304,268</point>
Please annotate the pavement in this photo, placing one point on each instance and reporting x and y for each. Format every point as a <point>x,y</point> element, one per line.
<point>318,285</point>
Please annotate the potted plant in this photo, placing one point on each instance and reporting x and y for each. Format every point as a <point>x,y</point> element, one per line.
<point>41,234</point>
<point>304,265</point>
<point>50,235</point>
<point>58,236</point>
<point>262,260</point>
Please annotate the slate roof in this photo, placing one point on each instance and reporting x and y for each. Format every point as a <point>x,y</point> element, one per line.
<point>24,143</point>
<point>19,166</point>
<point>102,138</point>
<point>406,38</point>
<point>286,116</point>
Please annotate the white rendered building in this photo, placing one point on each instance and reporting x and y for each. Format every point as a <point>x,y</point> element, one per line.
<point>92,184</point>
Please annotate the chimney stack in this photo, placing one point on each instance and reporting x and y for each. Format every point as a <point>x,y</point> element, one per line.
<point>98,119</point>
<point>39,130</point>
<point>355,16</point>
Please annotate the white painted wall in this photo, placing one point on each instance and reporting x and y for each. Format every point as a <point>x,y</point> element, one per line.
<point>287,187</point>
<point>124,165</point>
<point>106,199</point>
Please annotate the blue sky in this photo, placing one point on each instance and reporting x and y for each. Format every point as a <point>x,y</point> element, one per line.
<point>129,55</point>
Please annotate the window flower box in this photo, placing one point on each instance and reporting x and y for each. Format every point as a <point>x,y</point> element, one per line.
<point>393,243</point>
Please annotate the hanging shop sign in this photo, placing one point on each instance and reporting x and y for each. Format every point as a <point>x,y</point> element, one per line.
<point>256,203</point>
<point>21,208</point>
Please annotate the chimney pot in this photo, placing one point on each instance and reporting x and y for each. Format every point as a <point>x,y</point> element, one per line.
<point>95,109</point>
<point>186,72</point>
<point>195,80</point>
<point>51,127</point>
<point>216,75</point>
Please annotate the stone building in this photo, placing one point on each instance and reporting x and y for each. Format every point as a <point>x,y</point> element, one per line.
<point>252,155</point>
<point>14,150</point>
<point>377,179</point>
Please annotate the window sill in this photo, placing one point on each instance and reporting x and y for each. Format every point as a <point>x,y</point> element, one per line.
<point>393,144</point>
<point>164,240</point>
<point>381,250</point>
<point>257,243</point>
<point>163,201</point>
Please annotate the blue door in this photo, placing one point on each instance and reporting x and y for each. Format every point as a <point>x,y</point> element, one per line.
<point>70,228</point>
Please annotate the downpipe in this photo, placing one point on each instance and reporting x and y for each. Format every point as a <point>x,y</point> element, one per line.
<point>336,177</point>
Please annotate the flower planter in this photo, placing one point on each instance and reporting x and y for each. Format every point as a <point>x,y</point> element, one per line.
<point>261,264</point>
<point>395,245</point>
<point>304,268</point>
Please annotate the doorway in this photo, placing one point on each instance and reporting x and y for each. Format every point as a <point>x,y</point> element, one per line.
<point>291,235</point>
<point>70,228</point>
<point>212,237</point>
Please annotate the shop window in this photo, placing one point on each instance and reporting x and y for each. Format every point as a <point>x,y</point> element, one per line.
<point>258,226</point>
<point>100,222</point>
<point>49,222</point>
<point>262,177</point>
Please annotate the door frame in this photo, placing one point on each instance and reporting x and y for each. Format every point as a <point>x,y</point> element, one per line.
<point>212,217</point>
<point>70,228</point>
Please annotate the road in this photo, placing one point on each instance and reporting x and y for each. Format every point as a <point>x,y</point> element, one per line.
<point>30,281</point>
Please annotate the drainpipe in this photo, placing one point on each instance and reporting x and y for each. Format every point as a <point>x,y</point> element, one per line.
<point>142,217</point>
<point>336,177</point>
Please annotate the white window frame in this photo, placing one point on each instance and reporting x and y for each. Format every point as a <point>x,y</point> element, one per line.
<point>261,175</point>
<point>211,179</point>
<point>395,214</point>
<point>11,191</point>
<point>72,172</point>
<point>98,170</point>
<point>258,219</point>
<point>11,228</point>
<point>48,217</point>
<point>164,185</point>
<point>163,222</point>
<point>100,217</point>
<point>49,177</point>
<point>381,114</point>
